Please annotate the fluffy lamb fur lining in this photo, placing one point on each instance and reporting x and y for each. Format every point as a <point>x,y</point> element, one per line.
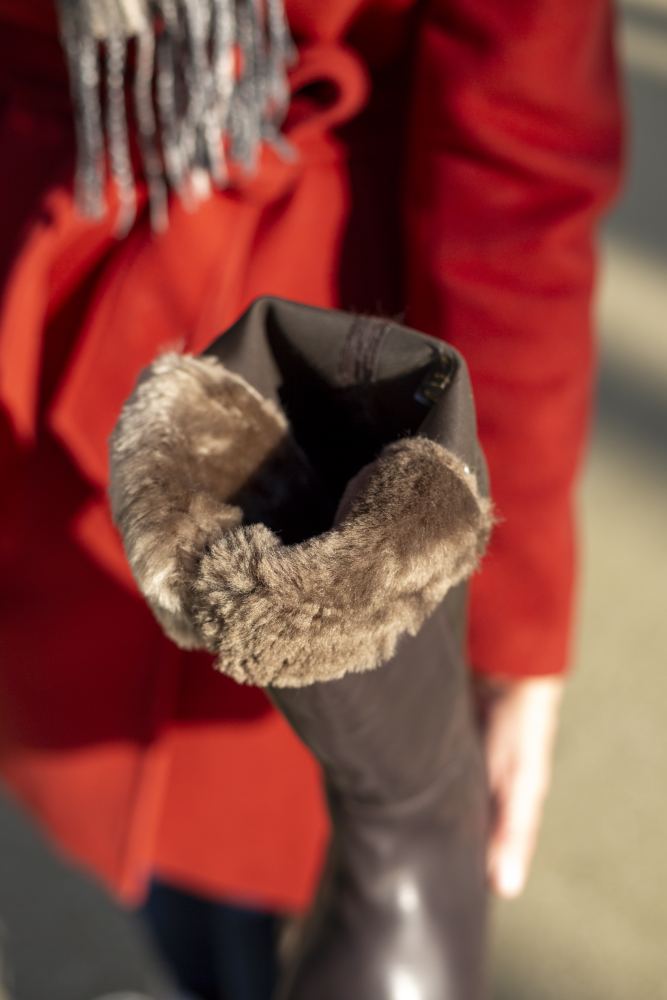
<point>411,525</point>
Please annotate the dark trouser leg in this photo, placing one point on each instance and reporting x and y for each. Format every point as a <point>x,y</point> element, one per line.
<point>216,950</point>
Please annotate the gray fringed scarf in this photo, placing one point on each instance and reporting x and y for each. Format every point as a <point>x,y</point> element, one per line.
<point>209,86</point>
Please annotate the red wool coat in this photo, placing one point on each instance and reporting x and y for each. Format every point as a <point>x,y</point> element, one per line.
<point>452,167</point>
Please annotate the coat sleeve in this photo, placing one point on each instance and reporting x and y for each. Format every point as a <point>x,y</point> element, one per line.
<point>514,150</point>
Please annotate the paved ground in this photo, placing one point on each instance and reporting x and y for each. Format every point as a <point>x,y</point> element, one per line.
<point>593,924</point>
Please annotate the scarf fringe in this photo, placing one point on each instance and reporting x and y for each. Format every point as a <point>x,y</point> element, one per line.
<point>209,87</point>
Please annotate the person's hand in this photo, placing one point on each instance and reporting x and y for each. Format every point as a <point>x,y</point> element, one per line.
<point>518,721</point>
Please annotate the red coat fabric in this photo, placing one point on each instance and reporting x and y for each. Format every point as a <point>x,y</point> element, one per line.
<point>451,171</point>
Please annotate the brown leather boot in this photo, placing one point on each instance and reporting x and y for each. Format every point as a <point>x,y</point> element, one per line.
<point>401,908</point>
<point>306,501</point>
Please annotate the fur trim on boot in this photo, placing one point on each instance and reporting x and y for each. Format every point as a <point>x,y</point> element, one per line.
<point>198,454</point>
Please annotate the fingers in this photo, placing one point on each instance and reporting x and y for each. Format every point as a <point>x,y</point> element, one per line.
<point>518,812</point>
<point>518,727</point>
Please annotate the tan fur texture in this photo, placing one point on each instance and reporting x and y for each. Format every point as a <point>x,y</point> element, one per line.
<point>192,437</point>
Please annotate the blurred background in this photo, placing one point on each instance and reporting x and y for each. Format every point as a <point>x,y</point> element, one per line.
<point>593,923</point>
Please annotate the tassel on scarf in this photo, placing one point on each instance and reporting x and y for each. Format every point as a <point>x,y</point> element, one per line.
<point>209,84</point>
